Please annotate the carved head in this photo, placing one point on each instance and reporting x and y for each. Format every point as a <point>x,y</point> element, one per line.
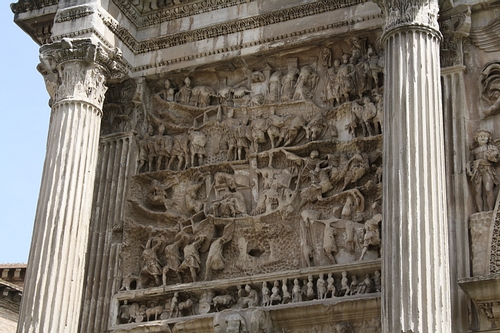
<point>482,137</point>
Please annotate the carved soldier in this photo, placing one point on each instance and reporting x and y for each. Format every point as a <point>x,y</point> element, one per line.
<point>192,258</point>
<point>168,93</point>
<point>183,96</point>
<point>150,262</point>
<point>372,233</point>
<point>346,78</point>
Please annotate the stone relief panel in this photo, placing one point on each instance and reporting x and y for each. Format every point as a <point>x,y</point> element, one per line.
<point>258,168</point>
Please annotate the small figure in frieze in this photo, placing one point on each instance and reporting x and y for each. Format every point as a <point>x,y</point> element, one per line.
<point>344,285</point>
<point>330,288</point>
<point>296,292</point>
<point>320,286</point>
<point>275,295</point>
<point>310,288</point>
<point>266,297</point>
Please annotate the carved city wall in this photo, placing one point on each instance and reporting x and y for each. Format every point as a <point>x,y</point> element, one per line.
<point>256,189</point>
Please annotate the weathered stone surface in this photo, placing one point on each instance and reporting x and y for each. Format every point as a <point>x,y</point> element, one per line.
<point>260,160</point>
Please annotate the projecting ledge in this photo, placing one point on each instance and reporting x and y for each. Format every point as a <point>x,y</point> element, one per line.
<point>484,291</point>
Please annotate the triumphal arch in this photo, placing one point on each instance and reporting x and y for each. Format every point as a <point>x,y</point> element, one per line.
<point>267,166</point>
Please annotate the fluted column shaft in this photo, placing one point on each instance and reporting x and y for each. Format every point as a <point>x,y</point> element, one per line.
<point>416,284</point>
<point>75,76</point>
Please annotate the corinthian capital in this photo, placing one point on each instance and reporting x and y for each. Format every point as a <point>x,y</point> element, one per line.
<point>405,13</point>
<point>78,69</point>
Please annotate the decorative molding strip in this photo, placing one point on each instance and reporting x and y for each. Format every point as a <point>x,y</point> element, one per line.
<point>226,28</point>
<point>27,5</point>
<point>173,13</point>
<point>74,13</point>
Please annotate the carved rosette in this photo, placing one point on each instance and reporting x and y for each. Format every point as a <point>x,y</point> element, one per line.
<point>77,69</point>
<point>405,13</point>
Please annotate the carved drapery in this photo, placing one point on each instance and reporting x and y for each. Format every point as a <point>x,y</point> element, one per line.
<point>75,72</point>
<point>416,256</point>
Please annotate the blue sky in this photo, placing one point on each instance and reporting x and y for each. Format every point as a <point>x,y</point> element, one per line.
<point>24,124</point>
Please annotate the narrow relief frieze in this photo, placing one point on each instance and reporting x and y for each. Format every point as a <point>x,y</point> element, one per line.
<point>74,13</point>
<point>23,6</point>
<point>146,13</point>
<point>139,47</point>
<point>270,170</point>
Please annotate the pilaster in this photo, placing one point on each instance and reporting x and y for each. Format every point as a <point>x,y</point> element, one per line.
<point>455,30</point>
<point>75,71</point>
<point>416,285</point>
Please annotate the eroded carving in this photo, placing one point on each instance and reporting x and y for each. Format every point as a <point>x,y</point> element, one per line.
<point>481,170</point>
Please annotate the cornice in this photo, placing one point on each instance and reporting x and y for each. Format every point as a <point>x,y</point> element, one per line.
<point>132,43</point>
<point>144,20</point>
<point>279,16</point>
<point>74,13</point>
<point>24,6</point>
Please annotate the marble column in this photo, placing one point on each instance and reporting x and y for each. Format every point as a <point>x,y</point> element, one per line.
<point>416,284</point>
<point>75,72</point>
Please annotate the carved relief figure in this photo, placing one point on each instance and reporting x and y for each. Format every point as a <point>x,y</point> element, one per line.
<point>194,204</point>
<point>259,88</point>
<point>320,286</point>
<point>236,324</point>
<point>183,96</point>
<point>274,88</point>
<point>173,259</point>
<point>168,93</point>
<point>296,292</point>
<point>251,300</point>
<point>223,300</point>
<point>200,96</point>
<point>371,233</point>
<point>275,295</point>
<point>150,263</point>
<point>198,141</point>
<point>304,89</point>
<point>215,259</point>
<point>344,285</point>
<point>288,87</point>
<point>266,298</point>
<point>481,170</point>
<point>330,288</point>
<point>331,92</point>
<point>231,204</point>
<point>192,258</point>
<point>346,78</point>
<point>180,152</point>
<point>163,147</point>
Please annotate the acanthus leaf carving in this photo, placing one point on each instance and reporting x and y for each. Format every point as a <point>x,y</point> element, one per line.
<point>403,13</point>
<point>82,67</point>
